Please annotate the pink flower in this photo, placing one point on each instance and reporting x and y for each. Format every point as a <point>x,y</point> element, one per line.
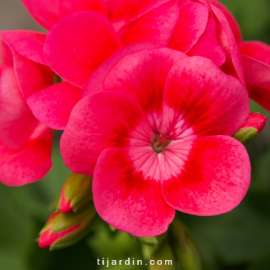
<point>153,129</point>
<point>25,143</point>
<point>256,63</point>
<point>196,27</point>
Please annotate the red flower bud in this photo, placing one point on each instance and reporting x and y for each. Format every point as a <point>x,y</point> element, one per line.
<point>62,230</point>
<point>76,193</point>
<point>253,126</point>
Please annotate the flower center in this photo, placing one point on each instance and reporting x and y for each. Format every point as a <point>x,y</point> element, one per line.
<point>160,142</point>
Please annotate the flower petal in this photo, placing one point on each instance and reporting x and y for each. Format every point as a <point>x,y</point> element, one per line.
<point>257,50</point>
<point>121,11</point>
<point>143,75</point>
<point>208,46</point>
<point>192,23</point>
<point>52,106</point>
<point>233,64</point>
<point>28,164</point>
<point>16,120</point>
<point>200,97</point>
<point>49,12</point>
<point>257,75</point>
<point>78,44</point>
<point>230,18</point>
<point>214,179</point>
<point>26,43</point>
<point>95,82</point>
<point>31,76</point>
<point>157,25</point>
<point>100,121</point>
<point>127,200</point>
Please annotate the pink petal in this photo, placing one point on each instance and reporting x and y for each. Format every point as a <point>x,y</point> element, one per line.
<point>26,43</point>
<point>52,106</point>
<point>31,76</point>
<point>100,121</point>
<point>257,50</point>
<point>127,200</point>
<point>78,44</point>
<point>215,177</point>
<point>143,75</point>
<point>208,46</point>
<point>220,104</point>
<point>49,12</point>
<point>261,94</point>
<point>95,82</point>
<point>233,64</point>
<point>230,18</point>
<point>257,75</point>
<point>16,120</point>
<point>192,23</point>
<point>156,25</point>
<point>26,57</point>
<point>28,164</point>
<point>121,11</point>
<point>256,72</point>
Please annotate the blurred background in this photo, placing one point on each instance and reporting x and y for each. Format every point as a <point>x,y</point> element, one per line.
<point>237,240</point>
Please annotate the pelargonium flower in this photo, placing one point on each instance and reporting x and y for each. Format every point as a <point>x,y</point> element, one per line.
<point>196,27</point>
<point>154,130</point>
<point>256,63</point>
<point>25,143</point>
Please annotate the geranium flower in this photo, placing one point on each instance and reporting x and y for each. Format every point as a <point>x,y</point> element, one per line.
<point>25,143</point>
<point>196,27</point>
<point>256,63</point>
<point>154,130</point>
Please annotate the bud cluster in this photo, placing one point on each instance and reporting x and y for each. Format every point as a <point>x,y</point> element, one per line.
<point>74,216</point>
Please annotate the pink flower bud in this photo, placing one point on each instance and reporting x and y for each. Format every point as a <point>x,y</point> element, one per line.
<point>62,230</point>
<point>76,193</point>
<point>253,126</point>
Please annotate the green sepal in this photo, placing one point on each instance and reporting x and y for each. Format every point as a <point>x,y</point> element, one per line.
<point>78,190</point>
<point>61,222</point>
<point>245,135</point>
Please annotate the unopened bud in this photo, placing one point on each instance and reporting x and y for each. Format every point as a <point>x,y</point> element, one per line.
<point>185,247</point>
<point>253,126</point>
<point>76,193</point>
<point>63,230</point>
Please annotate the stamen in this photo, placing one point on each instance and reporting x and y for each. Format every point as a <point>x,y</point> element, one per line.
<point>160,143</point>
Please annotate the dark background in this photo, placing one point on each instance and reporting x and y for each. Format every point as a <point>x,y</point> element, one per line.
<point>237,240</point>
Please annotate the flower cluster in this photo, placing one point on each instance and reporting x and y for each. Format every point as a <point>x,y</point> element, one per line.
<point>153,98</point>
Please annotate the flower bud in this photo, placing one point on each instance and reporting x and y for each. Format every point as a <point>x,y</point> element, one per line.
<point>76,193</point>
<point>253,126</point>
<point>63,230</point>
<point>185,247</point>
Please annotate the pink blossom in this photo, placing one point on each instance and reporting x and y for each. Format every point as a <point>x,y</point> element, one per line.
<point>256,63</point>
<point>154,130</point>
<point>195,27</point>
<point>25,143</point>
